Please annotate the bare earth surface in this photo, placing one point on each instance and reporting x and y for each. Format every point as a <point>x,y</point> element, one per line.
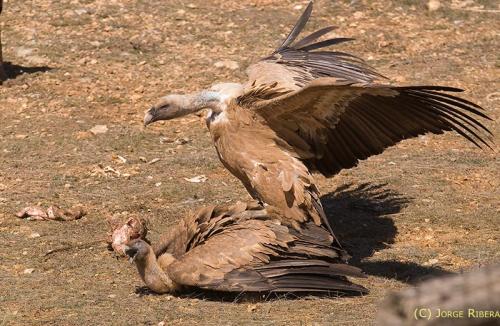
<point>426,207</point>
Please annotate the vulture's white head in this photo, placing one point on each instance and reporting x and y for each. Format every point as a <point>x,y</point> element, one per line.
<point>175,105</point>
<point>169,107</point>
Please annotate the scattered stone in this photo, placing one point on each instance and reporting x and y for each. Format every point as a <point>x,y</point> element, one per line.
<point>119,158</point>
<point>193,200</point>
<point>433,5</point>
<point>182,141</point>
<point>99,129</point>
<point>81,11</point>
<point>22,51</point>
<point>252,308</point>
<point>109,169</point>
<point>34,235</point>
<point>167,140</point>
<point>37,60</point>
<point>430,262</point>
<point>358,15</point>
<point>28,270</point>
<point>493,96</point>
<point>153,161</point>
<point>197,179</point>
<point>228,64</point>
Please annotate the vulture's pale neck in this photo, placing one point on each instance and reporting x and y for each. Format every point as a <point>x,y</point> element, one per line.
<point>208,100</point>
<point>153,275</point>
<point>215,99</point>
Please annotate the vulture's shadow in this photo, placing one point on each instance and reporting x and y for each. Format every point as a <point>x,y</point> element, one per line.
<point>360,217</point>
<point>13,70</point>
<point>245,297</point>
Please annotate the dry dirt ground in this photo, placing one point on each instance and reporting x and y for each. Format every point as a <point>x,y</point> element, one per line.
<point>426,207</point>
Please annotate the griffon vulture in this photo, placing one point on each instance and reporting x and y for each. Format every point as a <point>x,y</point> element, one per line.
<point>242,248</point>
<point>306,109</point>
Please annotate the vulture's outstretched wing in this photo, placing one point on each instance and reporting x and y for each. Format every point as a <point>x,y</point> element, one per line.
<point>333,125</point>
<point>333,110</point>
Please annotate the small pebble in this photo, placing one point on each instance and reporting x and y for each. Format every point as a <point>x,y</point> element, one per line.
<point>433,5</point>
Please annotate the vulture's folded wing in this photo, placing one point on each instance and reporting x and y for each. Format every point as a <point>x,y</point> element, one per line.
<point>196,228</point>
<point>332,125</point>
<point>224,261</point>
<point>259,255</point>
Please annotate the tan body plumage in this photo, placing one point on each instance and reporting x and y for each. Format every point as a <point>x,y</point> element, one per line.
<point>266,165</point>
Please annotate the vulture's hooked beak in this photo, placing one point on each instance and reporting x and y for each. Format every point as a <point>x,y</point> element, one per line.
<point>149,116</point>
<point>131,253</point>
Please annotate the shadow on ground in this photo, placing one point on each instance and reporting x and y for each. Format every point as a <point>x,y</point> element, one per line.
<point>360,217</point>
<point>13,70</point>
<point>247,297</point>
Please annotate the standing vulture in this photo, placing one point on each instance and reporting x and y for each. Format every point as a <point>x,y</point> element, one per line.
<point>242,248</point>
<point>306,109</point>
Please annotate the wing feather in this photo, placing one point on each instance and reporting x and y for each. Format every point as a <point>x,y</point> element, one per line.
<point>294,64</point>
<point>299,26</point>
<point>313,36</point>
<point>260,255</point>
<point>346,122</point>
<point>332,107</point>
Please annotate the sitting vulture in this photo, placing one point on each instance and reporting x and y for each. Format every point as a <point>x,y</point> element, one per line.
<point>242,248</point>
<point>306,109</point>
